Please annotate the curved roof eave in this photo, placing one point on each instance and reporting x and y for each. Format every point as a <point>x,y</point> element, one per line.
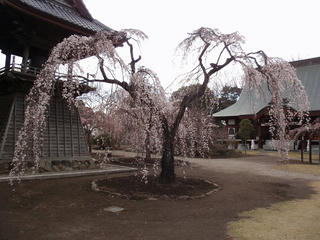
<point>59,14</point>
<point>250,103</point>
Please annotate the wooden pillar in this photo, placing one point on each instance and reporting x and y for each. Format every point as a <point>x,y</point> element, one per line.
<point>310,150</point>
<point>15,121</point>
<point>57,125</point>
<point>48,126</point>
<point>302,147</point>
<point>6,129</point>
<point>71,133</point>
<point>260,134</point>
<point>13,62</point>
<point>319,146</point>
<point>78,130</point>
<point>64,130</point>
<point>8,61</point>
<point>26,52</point>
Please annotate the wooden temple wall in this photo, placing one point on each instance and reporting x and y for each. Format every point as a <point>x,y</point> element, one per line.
<point>64,137</point>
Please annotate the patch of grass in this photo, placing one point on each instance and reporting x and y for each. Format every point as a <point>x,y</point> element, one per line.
<point>292,155</point>
<point>254,152</point>
<point>301,168</point>
<point>297,155</point>
<point>289,220</point>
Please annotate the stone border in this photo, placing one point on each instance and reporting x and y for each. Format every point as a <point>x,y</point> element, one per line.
<point>112,169</point>
<point>96,188</point>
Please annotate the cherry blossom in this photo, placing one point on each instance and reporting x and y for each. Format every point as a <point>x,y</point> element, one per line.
<point>162,120</point>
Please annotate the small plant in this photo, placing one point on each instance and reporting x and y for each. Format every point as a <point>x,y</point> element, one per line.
<point>103,141</point>
<point>245,131</point>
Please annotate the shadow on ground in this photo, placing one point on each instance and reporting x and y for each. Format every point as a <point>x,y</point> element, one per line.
<point>69,209</point>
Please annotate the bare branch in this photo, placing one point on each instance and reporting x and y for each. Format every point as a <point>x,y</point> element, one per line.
<point>200,58</point>
<point>122,84</point>
<point>227,47</point>
<point>133,60</point>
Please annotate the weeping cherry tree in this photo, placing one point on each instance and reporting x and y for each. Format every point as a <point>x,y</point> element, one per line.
<point>212,51</point>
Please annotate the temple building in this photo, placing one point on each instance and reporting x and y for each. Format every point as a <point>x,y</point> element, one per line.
<point>29,30</point>
<point>255,108</point>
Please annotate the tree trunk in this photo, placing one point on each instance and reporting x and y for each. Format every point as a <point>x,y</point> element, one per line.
<point>89,142</point>
<point>147,145</point>
<point>90,147</point>
<point>167,175</point>
<point>245,146</point>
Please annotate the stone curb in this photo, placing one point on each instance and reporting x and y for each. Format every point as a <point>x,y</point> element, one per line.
<point>95,188</point>
<point>112,170</point>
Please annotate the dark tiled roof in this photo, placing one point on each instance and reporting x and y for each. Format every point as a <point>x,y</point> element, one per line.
<point>65,13</point>
<point>249,103</point>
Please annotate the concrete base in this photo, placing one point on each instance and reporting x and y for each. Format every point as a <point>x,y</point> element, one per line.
<point>110,169</point>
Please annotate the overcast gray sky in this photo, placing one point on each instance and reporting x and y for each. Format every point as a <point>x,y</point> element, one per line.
<point>282,28</point>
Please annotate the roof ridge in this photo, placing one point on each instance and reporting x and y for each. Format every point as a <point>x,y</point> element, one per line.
<point>67,12</point>
<point>77,5</point>
<point>305,62</point>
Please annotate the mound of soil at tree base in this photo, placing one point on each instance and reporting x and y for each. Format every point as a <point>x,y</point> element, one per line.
<point>135,188</point>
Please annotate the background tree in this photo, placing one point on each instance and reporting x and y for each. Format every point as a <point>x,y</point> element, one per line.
<point>141,118</point>
<point>206,104</point>
<point>99,122</point>
<point>196,132</point>
<point>228,96</point>
<point>89,122</point>
<point>245,130</point>
<point>109,131</point>
<point>213,52</point>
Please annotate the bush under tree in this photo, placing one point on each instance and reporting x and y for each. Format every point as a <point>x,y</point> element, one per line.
<point>246,129</point>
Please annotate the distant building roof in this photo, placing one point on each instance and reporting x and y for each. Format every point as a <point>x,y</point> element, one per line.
<point>72,12</point>
<point>249,103</point>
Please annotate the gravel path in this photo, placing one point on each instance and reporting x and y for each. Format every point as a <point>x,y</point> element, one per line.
<point>257,165</point>
<point>262,165</point>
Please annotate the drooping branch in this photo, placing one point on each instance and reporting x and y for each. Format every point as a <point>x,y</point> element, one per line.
<point>311,128</point>
<point>149,98</point>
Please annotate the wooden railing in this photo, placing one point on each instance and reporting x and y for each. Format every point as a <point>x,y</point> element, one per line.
<point>20,68</point>
<point>32,73</point>
<point>29,70</point>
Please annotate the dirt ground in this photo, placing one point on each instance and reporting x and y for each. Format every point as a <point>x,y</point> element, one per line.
<point>69,209</point>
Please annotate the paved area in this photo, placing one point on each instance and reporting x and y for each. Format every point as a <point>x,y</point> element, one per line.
<point>110,169</point>
<point>257,165</point>
<point>68,208</point>
<point>261,165</point>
